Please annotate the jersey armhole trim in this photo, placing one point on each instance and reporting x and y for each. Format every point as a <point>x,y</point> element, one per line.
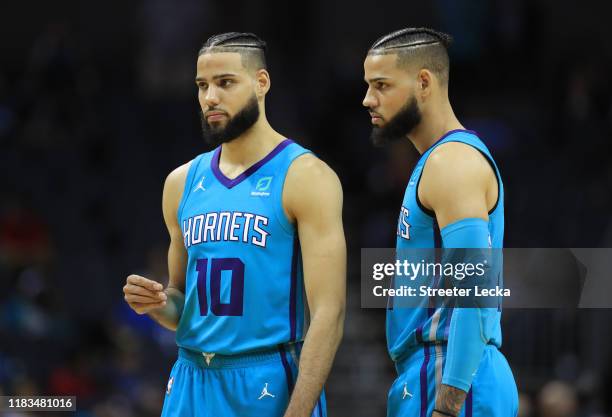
<point>189,179</point>
<point>281,216</point>
<point>431,213</point>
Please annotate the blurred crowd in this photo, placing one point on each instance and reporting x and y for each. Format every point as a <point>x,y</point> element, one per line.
<point>92,118</point>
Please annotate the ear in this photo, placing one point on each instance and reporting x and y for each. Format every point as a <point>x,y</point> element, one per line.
<point>262,83</point>
<point>424,83</point>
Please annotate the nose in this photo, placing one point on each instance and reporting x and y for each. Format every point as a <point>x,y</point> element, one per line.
<point>369,100</point>
<point>212,97</point>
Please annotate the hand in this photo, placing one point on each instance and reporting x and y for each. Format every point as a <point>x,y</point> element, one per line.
<point>144,295</point>
<point>449,400</point>
<point>438,414</point>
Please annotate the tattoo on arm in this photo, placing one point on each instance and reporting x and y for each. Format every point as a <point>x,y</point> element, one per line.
<point>450,399</point>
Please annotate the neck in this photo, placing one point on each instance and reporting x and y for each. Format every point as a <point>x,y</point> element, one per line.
<point>434,126</point>
<point>252,145</point>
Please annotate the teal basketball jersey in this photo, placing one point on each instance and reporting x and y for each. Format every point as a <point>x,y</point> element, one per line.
<point>408,328</point>
<point>243,285</point>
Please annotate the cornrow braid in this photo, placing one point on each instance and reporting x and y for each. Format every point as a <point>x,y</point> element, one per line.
<point>432,51</point>
<point>410,37</point>
<point>248,45</point>
<point>235,40</point>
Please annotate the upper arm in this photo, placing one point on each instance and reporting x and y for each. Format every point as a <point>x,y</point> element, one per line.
<point>177,255</point>
<point>312,196</point>
<point>454,183</point>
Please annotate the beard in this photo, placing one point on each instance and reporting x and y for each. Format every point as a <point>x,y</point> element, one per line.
<point>236,126</point>
<point>399,126</point>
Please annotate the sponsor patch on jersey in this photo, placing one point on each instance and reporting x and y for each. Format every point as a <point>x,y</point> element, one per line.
<point>262,187</point>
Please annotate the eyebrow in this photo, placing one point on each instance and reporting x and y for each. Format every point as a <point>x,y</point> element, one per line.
<point>216,77</point>
<point>373,80</point>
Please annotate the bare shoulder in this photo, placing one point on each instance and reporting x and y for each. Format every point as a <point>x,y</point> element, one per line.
<point>173,187</point>
<point>310,182</point>
<point>176,178</point>
<point>309,168</point>
<point>456,164</point>
<point>456,175</point>
<point>456,157</point>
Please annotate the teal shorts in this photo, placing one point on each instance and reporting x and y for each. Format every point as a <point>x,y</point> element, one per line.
<point>254,384</point>
<point>493,392</point>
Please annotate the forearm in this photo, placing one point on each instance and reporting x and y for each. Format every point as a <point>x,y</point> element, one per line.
<point>465,349</point>
<point>449,400</point>
<point>170,315</point>
<point>316,359</point>
<point>467,340</point>
<point>468,333</point>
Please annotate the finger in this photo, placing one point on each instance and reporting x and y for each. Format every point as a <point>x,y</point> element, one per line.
<point>145,308</point>
<point>132,298</point>
<point>137,290</point>
<point>144,282</point>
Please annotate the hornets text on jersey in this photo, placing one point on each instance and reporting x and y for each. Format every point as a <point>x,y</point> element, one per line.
<point>243,287</point>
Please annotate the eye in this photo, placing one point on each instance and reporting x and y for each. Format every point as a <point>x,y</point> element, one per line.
<point>380,85</point>
<point>226,82</point>
<point>202,85</point>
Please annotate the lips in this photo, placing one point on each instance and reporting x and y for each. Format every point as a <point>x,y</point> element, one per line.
<point>215,115</point>
<point>375,117</point>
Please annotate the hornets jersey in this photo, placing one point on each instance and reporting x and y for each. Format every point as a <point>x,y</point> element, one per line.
<point>243,285</point>
<point>407,328</point>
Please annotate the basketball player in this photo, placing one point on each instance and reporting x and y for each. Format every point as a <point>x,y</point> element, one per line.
<point>447,359</point>
<point>256,230</point>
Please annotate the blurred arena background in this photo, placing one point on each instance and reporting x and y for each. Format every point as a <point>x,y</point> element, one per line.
<point>98,104</point>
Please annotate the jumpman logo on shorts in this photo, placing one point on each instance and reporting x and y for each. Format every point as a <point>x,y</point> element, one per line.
<point>264,392</point>
<point>406,393</point>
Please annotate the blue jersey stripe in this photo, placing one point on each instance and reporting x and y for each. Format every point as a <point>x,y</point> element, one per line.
<point>293,289</point>
<point>431,303</point>
<point>468,404</point>
<point>423,377</point>
<point>437,236</point>
<point>288,373</point>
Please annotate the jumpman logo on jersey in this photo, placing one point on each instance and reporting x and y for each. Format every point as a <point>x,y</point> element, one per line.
<point>406,393</point>
<point>264,392</point>
<point>200,185</point>
<point>208,357</point>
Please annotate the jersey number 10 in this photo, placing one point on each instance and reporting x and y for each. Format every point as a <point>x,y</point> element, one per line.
<point>235,305</point>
